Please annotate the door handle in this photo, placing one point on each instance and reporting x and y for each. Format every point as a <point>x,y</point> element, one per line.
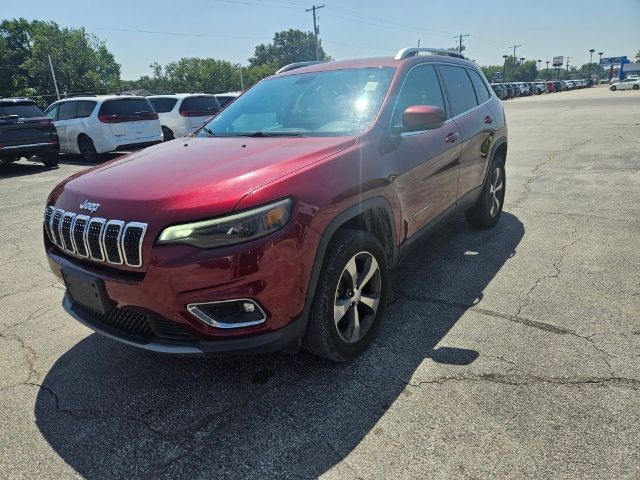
<point>452,137</point>
<point>488,119</point>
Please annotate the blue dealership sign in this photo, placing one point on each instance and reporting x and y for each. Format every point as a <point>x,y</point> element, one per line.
<point>614,61</point>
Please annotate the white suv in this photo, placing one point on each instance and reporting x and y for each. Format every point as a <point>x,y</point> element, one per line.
<point>91,126</point>
<point>182,113</point>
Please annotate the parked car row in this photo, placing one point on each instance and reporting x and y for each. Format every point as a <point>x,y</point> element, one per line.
<point>94,125</point>
<point>505,91</point>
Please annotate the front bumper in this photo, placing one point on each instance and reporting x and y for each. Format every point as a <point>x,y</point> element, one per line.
<point>286,337</point>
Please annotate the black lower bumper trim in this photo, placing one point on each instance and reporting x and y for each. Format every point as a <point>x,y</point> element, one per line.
<point>262,343</point>
<point>132,146</point>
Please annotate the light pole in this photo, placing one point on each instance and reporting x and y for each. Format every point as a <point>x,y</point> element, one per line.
<point>546,73</point>
<point>504,68</point>
<point>590,62</point>
<point>599,65</point>
<point>539,64</point>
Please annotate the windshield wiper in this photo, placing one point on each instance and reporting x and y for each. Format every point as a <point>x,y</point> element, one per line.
<point>271,134</point>
<point>208,131</point>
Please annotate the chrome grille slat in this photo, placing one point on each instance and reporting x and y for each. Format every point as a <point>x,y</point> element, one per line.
<point>98,239</point>
<point>111,236</point>
<point>65,231</point>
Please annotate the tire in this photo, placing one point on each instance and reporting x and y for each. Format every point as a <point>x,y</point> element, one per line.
<point>613,88</point>
<point>636,87</point>
<point>88,150</point>
<point>168,134</point>
<point>487,210</point>
<point>336,298</point>
<point>51,159</point>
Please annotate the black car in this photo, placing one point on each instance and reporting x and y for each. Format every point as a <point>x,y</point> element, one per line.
<point>510,91</point>
<point>499,90</point>
<point>25,131</point>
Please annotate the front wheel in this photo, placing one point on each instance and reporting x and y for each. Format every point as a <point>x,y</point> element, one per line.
<point>350,297</point>
<point>487,210</point>
<point>636,87</point>
<point>613,88</point>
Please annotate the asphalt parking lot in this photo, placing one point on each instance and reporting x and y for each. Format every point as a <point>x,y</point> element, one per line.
<point>508,353</point>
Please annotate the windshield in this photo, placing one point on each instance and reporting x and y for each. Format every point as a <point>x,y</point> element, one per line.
<point>332,103</point>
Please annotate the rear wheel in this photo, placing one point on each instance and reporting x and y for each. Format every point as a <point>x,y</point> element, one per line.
<point>350,297</point>
<point>636,87</point>
<point>50,159</point>
<point>87,149</point>
<point>486,212</point>
<point>168,134</point>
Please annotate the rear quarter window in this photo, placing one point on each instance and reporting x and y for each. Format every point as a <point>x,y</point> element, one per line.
<point>203,105</point>
<point>126,107</point>
<point>163,105</point>
<point>462,96</point>
<point>478,84</point>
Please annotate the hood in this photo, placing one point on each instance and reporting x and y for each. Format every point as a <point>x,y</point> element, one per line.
<point>190,178</point>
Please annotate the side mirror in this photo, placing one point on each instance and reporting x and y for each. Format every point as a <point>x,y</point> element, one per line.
<point>422,117</point>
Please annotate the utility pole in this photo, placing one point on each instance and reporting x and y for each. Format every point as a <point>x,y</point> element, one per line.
<point>568,58</point>
<point>546,73</point>
<point>315,27</point>
<point>460,37</point>
<point>53,74</point>
<point>590,62</point>
<point>539,67</point>
<point>241,80</point>
<point>599,66</point>
<point>504,68</point>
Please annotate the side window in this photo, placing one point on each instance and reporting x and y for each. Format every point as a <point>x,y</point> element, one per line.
<point>481,88</point>
<point>67,111</point>
<point>85,108</point>
<point>460,91</point>
<point>421,87</point>
<point>52,112</point>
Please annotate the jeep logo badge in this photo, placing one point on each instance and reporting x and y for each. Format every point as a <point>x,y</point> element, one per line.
<point>87,205</point>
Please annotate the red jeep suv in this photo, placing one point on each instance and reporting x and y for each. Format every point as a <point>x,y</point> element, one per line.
<point>275,224</point>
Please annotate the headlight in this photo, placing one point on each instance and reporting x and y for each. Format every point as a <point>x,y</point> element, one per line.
<point>231,229</point>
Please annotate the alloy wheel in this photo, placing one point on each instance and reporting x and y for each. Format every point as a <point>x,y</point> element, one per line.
<point>496,191</point>
<point>357,297</point>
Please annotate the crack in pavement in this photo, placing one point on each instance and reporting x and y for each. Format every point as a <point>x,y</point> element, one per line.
<point>526,379</point>
<point>537,172</point>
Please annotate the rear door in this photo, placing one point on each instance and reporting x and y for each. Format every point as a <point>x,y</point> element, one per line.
<point>130,119</point>
<point>427,161</point>
<point>23,123</point>
<point>199,109</point>
<point>66,116</point>
<point>475,121</point>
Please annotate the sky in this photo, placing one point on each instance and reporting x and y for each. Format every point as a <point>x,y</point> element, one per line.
<point>141,32</point>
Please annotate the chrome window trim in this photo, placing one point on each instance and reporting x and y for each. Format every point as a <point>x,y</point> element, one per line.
<point>86,218</point>
<point>120,223</point>
<point>101,221</point>
<point>124,234</point>
<point>212,322</point>
<point>62,240</point>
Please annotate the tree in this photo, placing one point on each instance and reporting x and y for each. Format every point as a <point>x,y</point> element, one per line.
<point>82,62</point>
<point>288,46</point>
<point>638,56</point>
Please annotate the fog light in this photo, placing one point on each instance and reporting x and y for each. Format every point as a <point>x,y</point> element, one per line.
<point>248,307</point>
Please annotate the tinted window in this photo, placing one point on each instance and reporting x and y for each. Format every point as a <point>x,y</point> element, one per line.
<point>127,107</point>
<point>85,108</point>
<point>421,87</point>
<point>163,105</point>
<point>222,100</point>
<point>22,109</point>
<point>52,112</point>
<point>481,89</point>
<point>459,89</point>
<point>67,111</point>
<point>204,105</point>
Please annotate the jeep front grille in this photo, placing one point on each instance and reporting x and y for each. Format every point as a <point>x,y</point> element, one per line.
<point>102,240</point>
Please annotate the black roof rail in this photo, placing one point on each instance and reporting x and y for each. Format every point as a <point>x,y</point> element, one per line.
<point>293,66</point>
<point>414,51</point>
